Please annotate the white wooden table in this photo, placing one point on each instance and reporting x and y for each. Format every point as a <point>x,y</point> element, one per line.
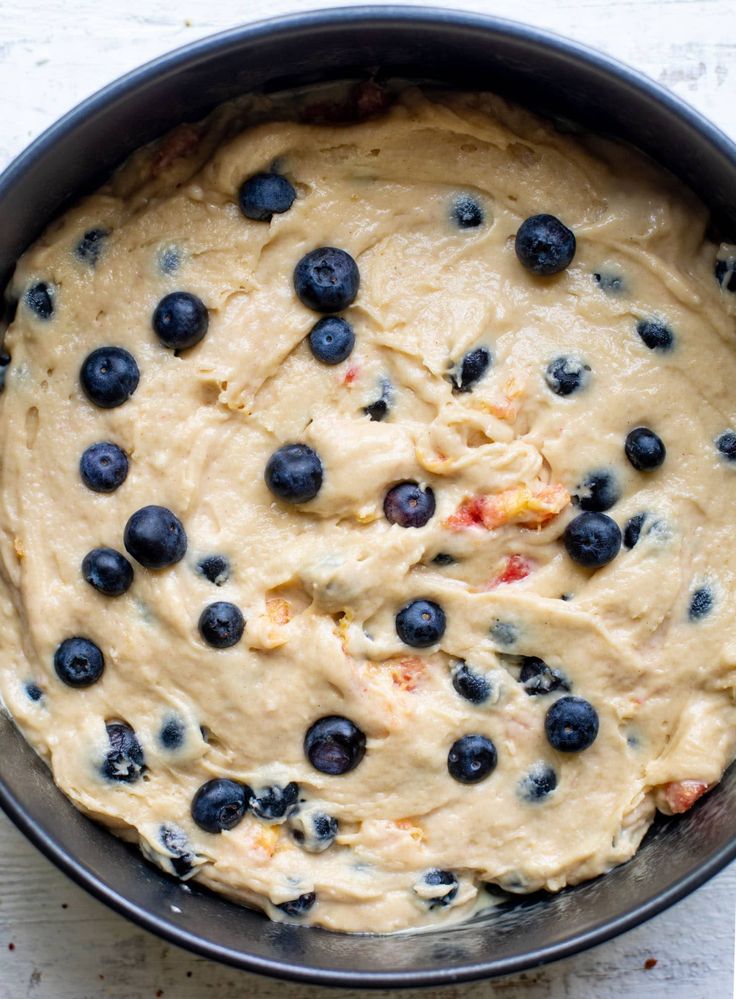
<point>57,943</point>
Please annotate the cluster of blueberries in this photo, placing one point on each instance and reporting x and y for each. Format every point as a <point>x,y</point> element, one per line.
<point>326,280</point>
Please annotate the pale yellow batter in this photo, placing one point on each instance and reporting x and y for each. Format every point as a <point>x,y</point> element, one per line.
<point>319,584</point>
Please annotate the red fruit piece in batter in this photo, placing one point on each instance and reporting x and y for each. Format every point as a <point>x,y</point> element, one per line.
<point>681,795</point>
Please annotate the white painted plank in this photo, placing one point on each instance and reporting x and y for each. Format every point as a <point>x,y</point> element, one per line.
<point>67,946</point>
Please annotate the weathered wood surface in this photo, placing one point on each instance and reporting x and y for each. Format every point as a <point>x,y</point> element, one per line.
<point>55,942</point>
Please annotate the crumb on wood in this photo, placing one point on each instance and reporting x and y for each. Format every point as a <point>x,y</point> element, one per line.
<point>650,963</point>
<point>65,905</point>
<point>11,946</point>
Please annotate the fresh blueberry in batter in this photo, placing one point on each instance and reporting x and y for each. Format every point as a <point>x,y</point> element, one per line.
<point>107,571</point>
<point>592,539</point>
<point>103,467</point>
<point>326,279</point>
<point>701,603</point>
<point>504,633</point>
<point>571,724</point>
<point>172,733</point>
<point>539,678</point>
<point>612,284</point>
<point>89,247</point>
<point>472,686</point>
<point>421,623</point>
<point>334,745</point>
<point>332,340</point>
<point>538,783</point>
<point>298,906</point>
<point>471,369</point>
<point>273,803</point>
<point>409,505</point>
<point>124,761</point>
<point>221,624</point>
<point>544,245</point>
<point>313,831</point>
<point>443,558</point>
<point>599,491</point>
<point>155,537</point>
<point>467,213</point>
<point>180,320</point>
<point>4,365</point>
<point>443,880</point>
<point>471,759</point>
<point>294,473</point>
<point>380,409</point>
<point>78,662</point>
<point>725,271</point>
<point>644,449</point>
<point>109,376</point>
<point>175,841</point>
<point>40,300</point>
<point>726,444</point>
<point>264,195</point>
<point>220,804</point>
<point>632,531</point>
<point>655,334</point>
<point>33,692</point>
<point>566,375</point>
<point>214,568</point>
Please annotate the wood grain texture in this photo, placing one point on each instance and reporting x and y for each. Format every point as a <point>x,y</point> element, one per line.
<point>64,944</point>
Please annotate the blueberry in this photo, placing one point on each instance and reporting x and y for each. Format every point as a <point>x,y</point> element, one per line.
<point>331,340</point>
<point>471,369</point>
<point>442,558</point>
<point>471,759</point>
<point>538,783</point>
<point>155,537</point>
<point>271,804</point>
<point>298,906</point>
<point>592,539</point>
<point>78,662</point>
<point>89,247</point>
<point>566,375</point>
<point>169,260</point>
<point>544,245</point>
<point>539,678</point>
<point>40,300</point>
<point>124,760</point>
<point>109,376</point>
<point>33,692</point>
<point>726,444</point>
<point>326,280</point>
<point>107,571</point>
<point>221,624</point>
<point>421,623</point>
<point>598,491</point>
<point>313,830</point>
<point>474,687</point>
<point>612,284</point>
<point>655,334</point>
<point>214,568</point>
<point>701,603</point>
<point>571,724</point>
<point>4,365</point>
<point>644,449</point>
<point>294,473</point>
<point>725,272</point>
<point>175,841</point>
<point>380,408</point>
<point>180,320</point>
<point>220,804</point>
<point>504,633</point>
<point>446,884</point>
<point>172,733</point>
<point>467,213</point>
<point>334,745</point>
<point>632,531</point>
<point>264,195</point>
<point>409,505</point>
<point>103,467</point>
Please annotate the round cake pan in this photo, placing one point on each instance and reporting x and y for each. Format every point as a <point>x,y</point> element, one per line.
<point>544,72</point>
